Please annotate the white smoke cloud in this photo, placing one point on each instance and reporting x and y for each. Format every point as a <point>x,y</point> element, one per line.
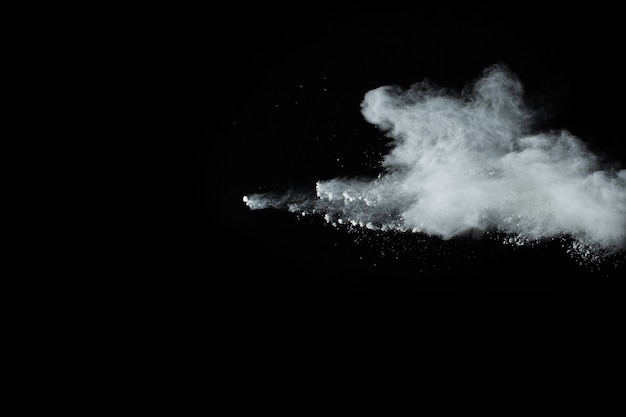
<point>471,161</point>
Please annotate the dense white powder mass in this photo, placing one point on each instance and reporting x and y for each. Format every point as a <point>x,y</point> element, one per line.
<point>471,162</point>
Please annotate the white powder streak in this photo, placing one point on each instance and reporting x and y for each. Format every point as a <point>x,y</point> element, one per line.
<point>471,162</point>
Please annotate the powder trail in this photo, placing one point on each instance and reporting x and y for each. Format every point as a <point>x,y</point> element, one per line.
<point>471,162</point>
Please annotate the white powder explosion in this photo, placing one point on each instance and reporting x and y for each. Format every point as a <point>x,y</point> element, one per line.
<point>470,162</point>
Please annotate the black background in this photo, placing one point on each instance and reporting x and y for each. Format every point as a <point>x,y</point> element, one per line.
<point>270,99</point>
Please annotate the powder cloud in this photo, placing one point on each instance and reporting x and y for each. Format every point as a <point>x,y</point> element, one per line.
<point>472,162</point>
